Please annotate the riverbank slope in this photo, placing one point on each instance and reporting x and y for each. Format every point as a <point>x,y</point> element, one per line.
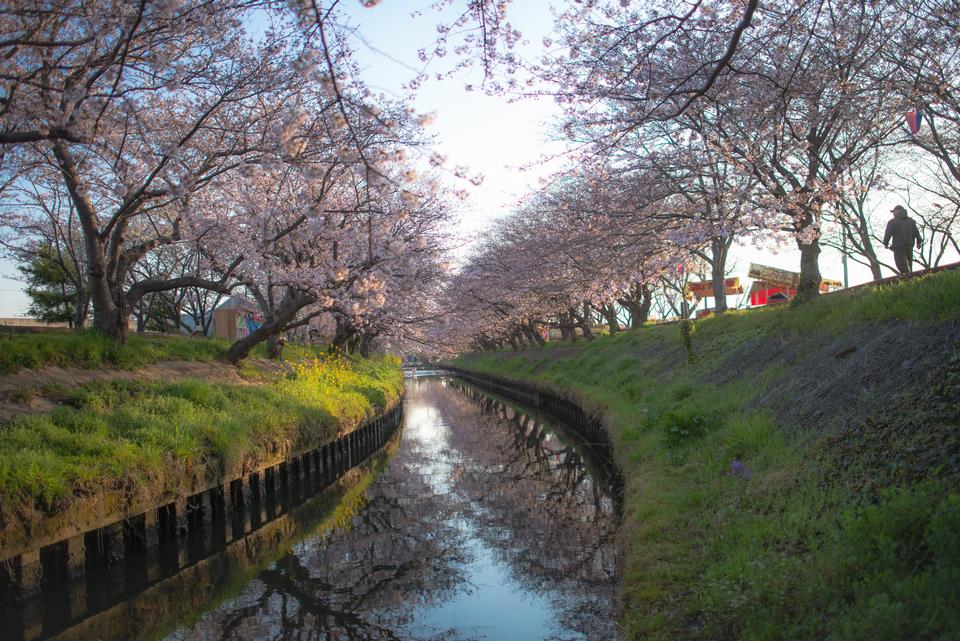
<point>794,474</point>
<point>114,441</point>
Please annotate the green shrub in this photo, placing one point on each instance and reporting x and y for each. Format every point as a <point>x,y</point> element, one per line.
<point>747,435</point>
<point>681,427</point>
<point>899,567</point>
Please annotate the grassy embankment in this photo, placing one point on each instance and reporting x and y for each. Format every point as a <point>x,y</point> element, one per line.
<point>92,350</point>
<point>842,528</point>
<point>156,438</point>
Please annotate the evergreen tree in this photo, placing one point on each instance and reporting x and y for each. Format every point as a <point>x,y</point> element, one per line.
<point>51,287</point>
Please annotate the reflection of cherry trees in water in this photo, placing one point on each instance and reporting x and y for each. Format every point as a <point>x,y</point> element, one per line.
<point>361,582</point>
<point>469,472</point>
<point>533,499</point>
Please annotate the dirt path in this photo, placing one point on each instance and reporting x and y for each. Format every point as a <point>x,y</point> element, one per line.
<point>36,390</point>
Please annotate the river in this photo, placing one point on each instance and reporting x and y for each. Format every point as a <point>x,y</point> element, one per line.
<point>482,521</point>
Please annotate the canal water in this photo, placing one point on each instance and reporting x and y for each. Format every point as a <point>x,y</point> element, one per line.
<point>480,521</point>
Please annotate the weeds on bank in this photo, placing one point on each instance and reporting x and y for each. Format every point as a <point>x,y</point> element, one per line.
<point>736,531</point>
<point>137,434</point>
<point>92,350</point>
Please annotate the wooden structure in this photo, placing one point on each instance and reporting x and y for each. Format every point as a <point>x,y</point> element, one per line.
<point>704,288</point>
<point>773,286</point>
<point>236,318</point>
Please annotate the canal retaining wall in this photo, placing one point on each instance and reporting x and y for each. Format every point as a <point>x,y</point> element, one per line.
<point>588,426</point>
<point>166,585</point>
<point>52,554</point>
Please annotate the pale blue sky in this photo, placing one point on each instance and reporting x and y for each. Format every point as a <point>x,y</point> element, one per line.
<point>488,134</point>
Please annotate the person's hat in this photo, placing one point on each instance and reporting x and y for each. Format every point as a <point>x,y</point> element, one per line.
<point>900,209</point>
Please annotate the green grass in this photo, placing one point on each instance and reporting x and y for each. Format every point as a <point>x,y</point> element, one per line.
<point>792,548</point>
<point>930,298</point>
<point>92,350</point>
<point>159,436</point>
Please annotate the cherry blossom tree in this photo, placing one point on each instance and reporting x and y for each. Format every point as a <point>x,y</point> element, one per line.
<point>139,107</point>
<point>172,125</point>
<point>793,108</point>
<point>325,236</point>
<point>578,249</point>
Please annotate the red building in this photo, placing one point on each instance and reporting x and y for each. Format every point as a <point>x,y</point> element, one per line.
<point>772,286</point>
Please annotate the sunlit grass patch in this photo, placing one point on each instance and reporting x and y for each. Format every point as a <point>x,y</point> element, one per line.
<point>121,433</point>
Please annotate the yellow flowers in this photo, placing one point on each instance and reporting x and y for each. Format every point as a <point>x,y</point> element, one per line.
<point>331,369</point>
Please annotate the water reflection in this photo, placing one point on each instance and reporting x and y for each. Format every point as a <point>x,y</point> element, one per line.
<point>486,525</point>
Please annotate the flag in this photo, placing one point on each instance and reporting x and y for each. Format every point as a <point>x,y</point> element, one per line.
<point>914,117</point>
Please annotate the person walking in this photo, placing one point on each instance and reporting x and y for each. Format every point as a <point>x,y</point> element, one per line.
<point>900,236</point>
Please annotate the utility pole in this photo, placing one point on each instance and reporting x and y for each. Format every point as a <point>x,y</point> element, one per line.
<point>846,279</point>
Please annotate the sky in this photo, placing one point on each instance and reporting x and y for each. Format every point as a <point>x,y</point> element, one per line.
<point>507,142</point>
<point>489,134</point>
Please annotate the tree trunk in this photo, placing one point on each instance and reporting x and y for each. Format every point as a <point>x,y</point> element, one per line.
<point>275,346</point>
<point>809,287</point>
<point>81,305</point>
<point>109,316</point>
<point>364,347</point>
<point>112,322</point>
<point>639,312</point>
<point>287,311</point>
<point>105,313</point>
<point>341,336</point>
<point>521,337</point>
<point>869,252</point>
<point>241,347</point>
<point>532,336</point>
<point>582,320</point>
<point>719,247</point>
<point>609,312</point>
<point>638,302</point>
<point>536,334</point>
<point>353,344</point>
<point>875,270</point>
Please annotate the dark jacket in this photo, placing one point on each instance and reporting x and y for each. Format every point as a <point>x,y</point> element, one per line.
<point>902,230</point>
